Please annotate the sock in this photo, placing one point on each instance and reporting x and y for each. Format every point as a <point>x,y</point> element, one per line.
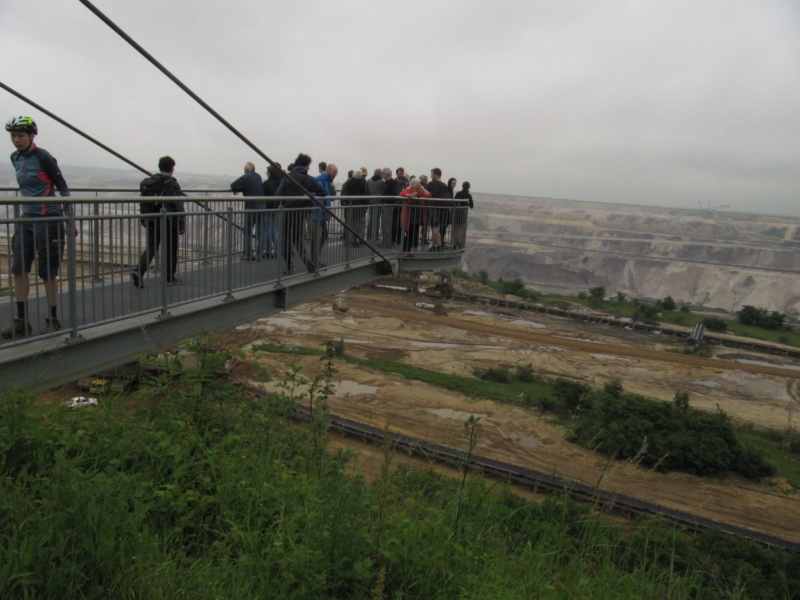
<point>22,310</point>
<point>54,312</point>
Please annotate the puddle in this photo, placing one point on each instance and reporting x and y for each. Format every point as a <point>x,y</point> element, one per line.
<point>526,440</point>
<point>638,369</point>
<point>490,347</point>
<point>563,337</point>
<point>528,323</point>
<point>764,363</point>
<point>424,305</point>
<point>476,313</point>
<point>434,345</point>
<point>349,341</point>
<point>392,287</point>
<point>273,322</point>
<point>350,321</point>
<point>711,384</point>
<point>611,357</point>
<point>449,413</point>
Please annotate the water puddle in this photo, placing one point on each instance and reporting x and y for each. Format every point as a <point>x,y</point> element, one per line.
<point>764,363</point>
<point>526,440</point>
<point>612,357</point>
<point>449,413</point>
<point>273,322</point>
<point>392,287</point>
<point>476,313</point>
<point>711,384</point>
<point>349,341</point>
<point>490,347</point>
<point>424,305</point>
<point>528,323</point>
<point>350,321</point>
<point>434,345</point>
<point>563,337</point>
<point>353,388</point>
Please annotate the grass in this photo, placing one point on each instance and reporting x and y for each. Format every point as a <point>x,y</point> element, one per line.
<point>209,494</point>
<point>773,445</point>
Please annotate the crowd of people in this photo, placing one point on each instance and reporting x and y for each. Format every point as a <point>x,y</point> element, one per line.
<point>370,212</point>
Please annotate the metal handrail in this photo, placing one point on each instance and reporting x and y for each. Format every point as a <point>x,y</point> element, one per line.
<point>148,199</point>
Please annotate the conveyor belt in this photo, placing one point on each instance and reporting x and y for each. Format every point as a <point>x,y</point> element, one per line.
<point>539,481</point>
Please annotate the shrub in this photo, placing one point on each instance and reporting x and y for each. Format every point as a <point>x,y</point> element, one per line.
<point>760,317</point>
<point>715,324</point>
<point>668,303</point>
<point>483,277</point>
<point>498,375</point>
<point>597,295</point>
<point>613,388</point>
<point>685,308</point>
<point>574,395</point>
<point>525,373</point>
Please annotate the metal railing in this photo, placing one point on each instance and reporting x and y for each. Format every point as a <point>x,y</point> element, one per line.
<point>216,249</point>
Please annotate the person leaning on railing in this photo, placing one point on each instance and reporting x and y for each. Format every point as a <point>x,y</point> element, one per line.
<point>413,212</point>
<point>37,174</point>
<point>250,184</point>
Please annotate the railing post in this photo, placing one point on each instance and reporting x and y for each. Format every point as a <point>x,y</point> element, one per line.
<point>230,253</point>
<point>164,263</point>
<point>279,250</point>
<point>96,244</point>
<point>72,275</point>
<point>205,260</point>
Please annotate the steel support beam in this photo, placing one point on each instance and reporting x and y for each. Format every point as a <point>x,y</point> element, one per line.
<point>48,363</point>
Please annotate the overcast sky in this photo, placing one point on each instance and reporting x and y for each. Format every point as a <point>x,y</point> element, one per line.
<point>647,102</point>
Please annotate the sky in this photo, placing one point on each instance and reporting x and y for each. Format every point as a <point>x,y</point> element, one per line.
<point>669,103</point>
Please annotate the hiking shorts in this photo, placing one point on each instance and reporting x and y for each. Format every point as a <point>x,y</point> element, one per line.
<point>434,217</point>
<point>44,240</point>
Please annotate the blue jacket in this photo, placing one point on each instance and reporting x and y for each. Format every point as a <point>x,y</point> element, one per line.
<point>324,180</point>
<point>38,175</point>
<point>250,184</point>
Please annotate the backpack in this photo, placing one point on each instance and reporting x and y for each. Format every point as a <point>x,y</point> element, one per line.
<point>153,186</point>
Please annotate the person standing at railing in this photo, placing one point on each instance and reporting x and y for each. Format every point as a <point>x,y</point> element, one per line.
<point>413,212</point>
<point>319,218</point>
<point>161,184</point>
<point>37,175</point>
<point>269,226</point>
<point>296,186</point>
<point>437,189</point>
<point>250,184</point>
<point>390,191</point>
<point>464,203</point>
<point>356,208</point>
<point>376,185</point>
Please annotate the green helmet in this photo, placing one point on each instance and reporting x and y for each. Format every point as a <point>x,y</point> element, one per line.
<point>25,124</point>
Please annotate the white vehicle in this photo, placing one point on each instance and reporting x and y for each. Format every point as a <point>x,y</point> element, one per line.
<point>80,401</point>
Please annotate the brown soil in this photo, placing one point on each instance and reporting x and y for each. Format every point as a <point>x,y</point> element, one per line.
<point>380,322</point>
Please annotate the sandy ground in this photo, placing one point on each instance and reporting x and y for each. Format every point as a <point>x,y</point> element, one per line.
<point>456,337</point>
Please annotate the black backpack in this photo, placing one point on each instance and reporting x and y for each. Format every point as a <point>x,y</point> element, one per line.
<point>153,186</point>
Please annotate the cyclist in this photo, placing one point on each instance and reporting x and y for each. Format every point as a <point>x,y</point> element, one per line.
<point>38,176</point>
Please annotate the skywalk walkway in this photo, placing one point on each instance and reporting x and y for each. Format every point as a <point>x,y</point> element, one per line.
<point>107,321</point>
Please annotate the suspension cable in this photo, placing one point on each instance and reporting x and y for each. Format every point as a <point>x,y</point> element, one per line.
<point>55,117</point>
<point>219,117</point>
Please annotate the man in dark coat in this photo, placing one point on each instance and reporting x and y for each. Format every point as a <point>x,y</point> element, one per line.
<point>250,184</point>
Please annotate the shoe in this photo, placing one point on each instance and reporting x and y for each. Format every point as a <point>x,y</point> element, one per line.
<point>175,282</point>
<point>310,266</point>
<point>249,258</point>
<point>20,328</point>
<point>51,325</point>
<point>137,280</point>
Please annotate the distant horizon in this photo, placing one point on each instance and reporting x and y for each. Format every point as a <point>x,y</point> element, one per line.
<point>7,170</point>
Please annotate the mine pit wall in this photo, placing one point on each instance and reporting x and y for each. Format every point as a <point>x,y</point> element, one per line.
<point>712,286</point>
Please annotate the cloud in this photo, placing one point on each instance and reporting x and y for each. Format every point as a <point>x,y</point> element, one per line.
<point>621,101</point>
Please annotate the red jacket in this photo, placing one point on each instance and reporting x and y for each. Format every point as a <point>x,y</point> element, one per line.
<point>413,212</point>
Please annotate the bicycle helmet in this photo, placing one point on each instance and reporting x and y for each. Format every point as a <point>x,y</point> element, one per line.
<point>25,124</point>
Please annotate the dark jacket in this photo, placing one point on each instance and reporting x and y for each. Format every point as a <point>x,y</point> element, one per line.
<point>290,188</point>
<point>250,184</point>
<point>376,185</point>
<point>391,188</point>
<point>357,187</point>
<point>438,189</point>
<point>171,188</point>
<point>464,195</point>
<point>270,188</point>
<point>37,175</point>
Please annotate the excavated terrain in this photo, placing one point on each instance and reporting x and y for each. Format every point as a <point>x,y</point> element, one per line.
<point>457,337</point>
<point>713,259</point>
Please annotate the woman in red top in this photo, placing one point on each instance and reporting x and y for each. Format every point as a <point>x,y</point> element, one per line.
<point>412,214</point>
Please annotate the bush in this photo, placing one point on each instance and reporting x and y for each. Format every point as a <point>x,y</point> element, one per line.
<point>498,375</point>
<point>681,439</point>
<point>613,388</point>
<point>525,373</point>
<point>668,303</point>
<point>597,295</point>
<point>761,317</point>
<point>574,395</point>
<point>715,324</point>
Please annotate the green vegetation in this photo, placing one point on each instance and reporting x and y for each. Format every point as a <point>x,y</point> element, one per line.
<point>665,437</point>
<point>514,287</point>
<point>761,317</point>
<point>207,493</point>
<point>778,232</point>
